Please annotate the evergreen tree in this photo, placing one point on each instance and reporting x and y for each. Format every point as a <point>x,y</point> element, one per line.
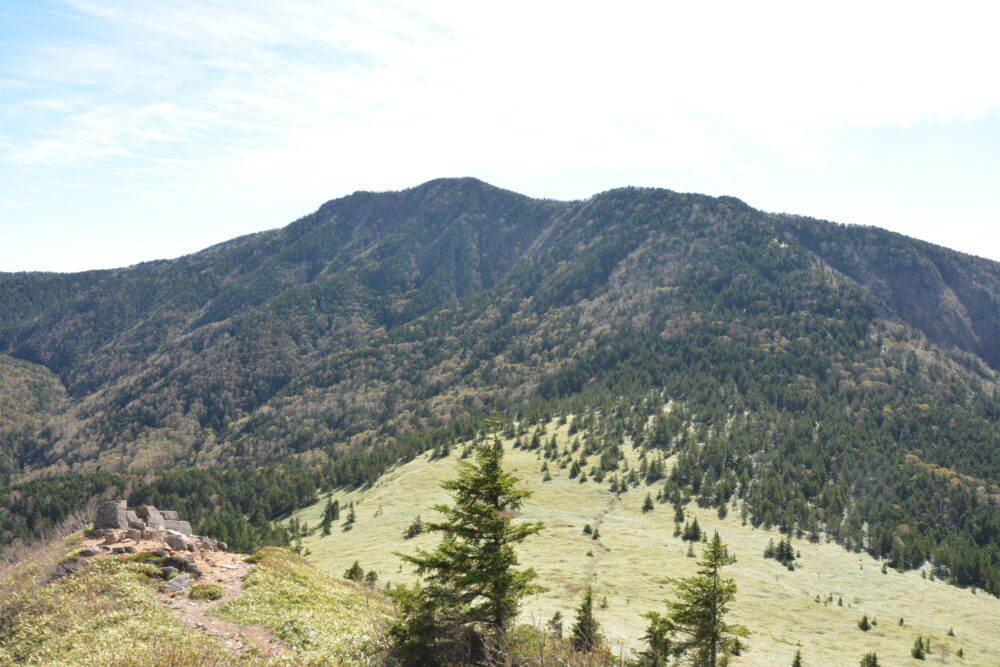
<point>331,513</point>
<point>647,504</point>
<point>797,660</point>
<point>585,630</point>
<point>869,660</point>
<point>695,623</point>
<point>414,529</point>
<point>471,589</point>
<point>354,572</point>
<point>864,624</point>
<point>556,625</point>
<point>918,649</point>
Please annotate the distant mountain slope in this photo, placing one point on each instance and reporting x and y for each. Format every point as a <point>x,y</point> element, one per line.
<point>950,297</point>
<point>401,309</point>
<point>837,379</point>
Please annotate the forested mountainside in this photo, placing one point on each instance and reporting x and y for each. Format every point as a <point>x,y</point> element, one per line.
<point>836,379</point>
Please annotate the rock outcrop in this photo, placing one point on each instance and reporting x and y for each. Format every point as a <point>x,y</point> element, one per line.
<point>170,541</point>
<point>112,515</point>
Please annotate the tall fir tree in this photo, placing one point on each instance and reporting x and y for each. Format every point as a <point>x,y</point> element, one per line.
<point>471,590</point>
<point>586,635</point>
<point>695,624</point>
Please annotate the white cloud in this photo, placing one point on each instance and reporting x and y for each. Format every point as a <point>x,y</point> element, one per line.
<point>314,98</point>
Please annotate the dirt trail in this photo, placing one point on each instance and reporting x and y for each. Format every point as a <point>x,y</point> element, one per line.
<point>229,571</point>
<point>602,550</point>
<point>220,567</point>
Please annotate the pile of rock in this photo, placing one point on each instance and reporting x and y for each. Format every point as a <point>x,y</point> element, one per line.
<point>119,523</point>
<point>127,530</point>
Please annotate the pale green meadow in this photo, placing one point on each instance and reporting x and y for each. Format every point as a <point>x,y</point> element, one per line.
<point>637,553</point>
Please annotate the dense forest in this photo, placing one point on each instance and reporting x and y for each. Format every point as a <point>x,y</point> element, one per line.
<point>828,380</point>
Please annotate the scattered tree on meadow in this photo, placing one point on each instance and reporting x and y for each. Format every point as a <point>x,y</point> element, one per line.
<point>585,630</point>
<point>471,590</point>
<point>783,552</point>
<point>869,660</point>
<point>647,504</point>
<point>331,513</point>
<point>864,624</point>
<point>413,529</point>
<point>797,660</point>
<point>691,532</point>
<point>695,624</point>
<point>556,625</point>
<point>354,572</point>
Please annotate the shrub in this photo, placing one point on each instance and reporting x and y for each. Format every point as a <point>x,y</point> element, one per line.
<point>210,591</point>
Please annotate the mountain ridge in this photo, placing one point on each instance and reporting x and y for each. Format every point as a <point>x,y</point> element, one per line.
<point>384,324</point>
<point>373,262</point>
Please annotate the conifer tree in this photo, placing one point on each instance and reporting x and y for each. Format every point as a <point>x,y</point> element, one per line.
<point>864,624</point>
<point>869,660</point>
<point>797,660</point>
<point>918,649</point>
<point>556,625</point>
<point>695,624</point>
<point>471,589</point>
<point>647,504</point>
<point>354,572</point>
<point>585,630</point>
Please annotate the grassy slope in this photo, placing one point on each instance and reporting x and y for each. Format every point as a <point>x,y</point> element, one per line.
<point>639,552</point>
<point>323,620</point>
<point>109,614</point>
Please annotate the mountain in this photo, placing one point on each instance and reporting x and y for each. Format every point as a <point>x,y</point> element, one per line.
<point>835,379</point>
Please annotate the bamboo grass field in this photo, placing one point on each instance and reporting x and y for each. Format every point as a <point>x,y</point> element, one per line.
<point>629,566</point>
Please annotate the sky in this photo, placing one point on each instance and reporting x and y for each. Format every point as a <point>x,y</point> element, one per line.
<point>132,131</point>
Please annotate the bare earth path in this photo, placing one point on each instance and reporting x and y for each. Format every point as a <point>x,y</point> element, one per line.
<point>602,550</point>
<point>229,571</point>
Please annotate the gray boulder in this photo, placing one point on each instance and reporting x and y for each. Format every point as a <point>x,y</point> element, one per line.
<point>151,516</point>
<point>222,546</point>
<point>169,515</point>
<point>176,542</point>
<point>68,567</point>
<point>110,537</point>
<point>89,552</point>
<point>133,534</point>
<point>178,583</point>
<point>111,516</point>
<point>168,570</point>
<point>182,527</point>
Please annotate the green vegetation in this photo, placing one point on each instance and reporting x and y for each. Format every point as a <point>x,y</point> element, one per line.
<point>211,591</point>
<point>106,613</point>
<point>818,400</point>
<point>471,590</point>
<point>695,625</point>
<point>586,630</point>
<point>825,382</point>
<point>777,606</point>
<point>321,619</point>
